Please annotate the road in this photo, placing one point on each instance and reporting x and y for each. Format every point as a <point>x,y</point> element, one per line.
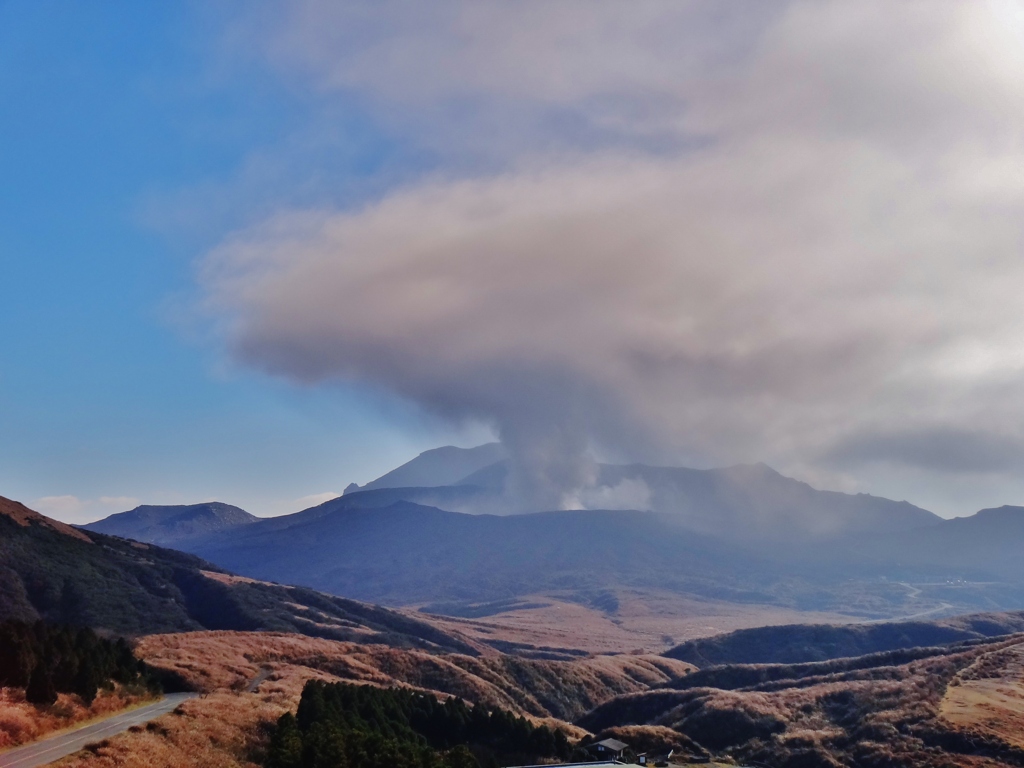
<point>263,675</point>
<point>55,747</point>
<point>912,593</point>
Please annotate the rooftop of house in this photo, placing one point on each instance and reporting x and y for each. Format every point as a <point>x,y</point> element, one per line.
<point>612,745</point>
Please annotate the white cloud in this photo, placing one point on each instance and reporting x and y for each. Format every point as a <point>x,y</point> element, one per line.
<point>58,506</point>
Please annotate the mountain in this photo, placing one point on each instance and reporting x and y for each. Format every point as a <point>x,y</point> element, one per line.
<point>743,533</point>
<point>753,502</point>
<point>403,553</point>
<point>743,503</point>
<point>447,465</point>
<point>983,546</point>
<point>169,526</point>
<point>65,575</point>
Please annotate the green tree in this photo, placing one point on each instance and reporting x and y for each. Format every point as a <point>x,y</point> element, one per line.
<point>40,690</point>
<point>460,757</point>
<point>285,750</point>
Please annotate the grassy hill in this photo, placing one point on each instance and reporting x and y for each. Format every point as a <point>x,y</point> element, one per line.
<point>66,576</point>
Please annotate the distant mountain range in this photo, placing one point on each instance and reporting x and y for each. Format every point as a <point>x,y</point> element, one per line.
<point>743,533</point>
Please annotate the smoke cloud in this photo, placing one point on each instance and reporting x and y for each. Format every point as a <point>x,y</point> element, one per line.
<point>798,242</point>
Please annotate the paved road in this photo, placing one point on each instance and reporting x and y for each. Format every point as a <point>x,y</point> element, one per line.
<point>54,748</point>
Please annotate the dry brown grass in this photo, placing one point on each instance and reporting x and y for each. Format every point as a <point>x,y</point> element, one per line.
<point>21,722</point>
<point>988,697</point>
<point>645,621</point>
<point>227,727</point>
<point>946,710</point>
<point>229,660</point>
<point>220,730</point>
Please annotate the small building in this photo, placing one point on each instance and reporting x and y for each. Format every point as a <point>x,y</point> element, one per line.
<point>609,749</point>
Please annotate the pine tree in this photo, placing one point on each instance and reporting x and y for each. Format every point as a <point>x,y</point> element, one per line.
<point>40,690</point>
<point>88,680</point>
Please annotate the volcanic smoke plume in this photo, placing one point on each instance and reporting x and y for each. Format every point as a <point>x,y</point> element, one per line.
<point>804,249</point>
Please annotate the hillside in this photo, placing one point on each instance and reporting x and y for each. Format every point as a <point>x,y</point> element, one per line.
<point>64,575</point>
<point>799,643</point>
<point>563,689</point>
<point>170,526</point>
<point>251,678</point>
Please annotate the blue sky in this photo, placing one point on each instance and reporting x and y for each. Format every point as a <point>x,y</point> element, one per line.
<point>116,117</point>
<point>254,251</point>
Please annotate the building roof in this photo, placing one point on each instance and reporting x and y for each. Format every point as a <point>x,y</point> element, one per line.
<point>612,745</point>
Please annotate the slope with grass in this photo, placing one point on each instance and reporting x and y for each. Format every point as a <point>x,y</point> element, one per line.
<point>540,688</point>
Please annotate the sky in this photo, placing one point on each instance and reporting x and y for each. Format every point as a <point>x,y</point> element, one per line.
<point>258,251</point>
